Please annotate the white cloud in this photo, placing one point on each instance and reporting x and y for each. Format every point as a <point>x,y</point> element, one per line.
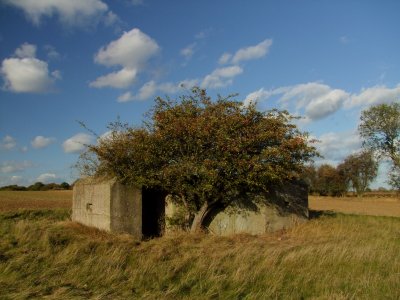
<point>120,79</point>
<point>111,18</point>
<point>105,136</point>
<point>12,166</point>
<point>77,143</point>
<point>336,146</point>
<point>26,50</point>
<point>149,89</point>
<point>257,96</point>
<point>27,74</point>
<point>46,178</point>
<point>8,143</point>
<point>15,179</point>
<point>315,99</point>
<point>131,51</point>
<point>69,12</point>
<point>188,51</point>
<point>374,95</point>
<point>248,53</point>
<point>225,58</point>
<point>221,77</point>
<point>51,52</point>
<point>126,97</point>
<point>41,141</point>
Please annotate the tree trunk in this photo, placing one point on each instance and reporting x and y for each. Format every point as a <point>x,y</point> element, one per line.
<point>199,217</point>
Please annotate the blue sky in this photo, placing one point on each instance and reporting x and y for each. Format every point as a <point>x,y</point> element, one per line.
<point>70,60</point>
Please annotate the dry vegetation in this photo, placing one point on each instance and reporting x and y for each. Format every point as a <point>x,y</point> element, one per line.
<point>43,255</point>
<point>14,200</point>
<point>375,205</point>
<point>379,204</point>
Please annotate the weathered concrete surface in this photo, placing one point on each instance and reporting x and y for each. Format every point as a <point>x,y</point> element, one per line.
<point>284,207</point>
<point>108,205</point>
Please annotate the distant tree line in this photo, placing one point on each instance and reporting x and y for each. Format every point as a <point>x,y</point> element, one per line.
<point>355,173</point>
<point>379,130</point>
<point>38,186</point>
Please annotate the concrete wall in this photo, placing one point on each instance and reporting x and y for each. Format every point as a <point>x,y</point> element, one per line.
<point>111,206</point>
<point>284,207</point>
<point>108,205</point>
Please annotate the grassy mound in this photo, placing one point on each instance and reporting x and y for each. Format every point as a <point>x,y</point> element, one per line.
<point>44,255</point>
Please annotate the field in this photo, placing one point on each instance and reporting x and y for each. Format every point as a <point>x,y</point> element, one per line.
<point>13,200</point>
<point>374,206</point>
<point>43,255</point>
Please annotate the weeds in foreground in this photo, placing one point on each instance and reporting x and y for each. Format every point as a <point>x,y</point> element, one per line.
<point>44,255</point>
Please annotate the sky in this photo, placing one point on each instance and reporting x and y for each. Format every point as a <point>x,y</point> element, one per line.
<point>68,61</point>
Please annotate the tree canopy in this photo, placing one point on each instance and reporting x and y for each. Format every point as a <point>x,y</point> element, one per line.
<point>359,170</point>
<point>205,153</point>
<point>380,131</point>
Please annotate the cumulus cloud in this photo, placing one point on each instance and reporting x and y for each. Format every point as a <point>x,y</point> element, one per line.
<point>26,50</point>
<point>257,96</point>
<point>69,12</point>
<point>247,53</point>
<point>8,143</point>
<point>13,166</point>
<point>41,141</point>
<point>374,95</point>
<point>315,99</point>
<point>131,52</point>
<point>318,100</point>
<point>120,79</point>
<point>221,77</point>
<point>77,143</point>
<point>27,74</point>
<point>9,180</point>
<point>46,178</point>
<point>111,18</point>
<point>334,147</point>
<point>151,88</point>
<point>225,58</point>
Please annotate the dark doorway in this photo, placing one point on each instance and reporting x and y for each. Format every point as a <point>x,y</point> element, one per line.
<point>153,212</point>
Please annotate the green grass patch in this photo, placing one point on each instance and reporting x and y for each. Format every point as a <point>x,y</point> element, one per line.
<point>44,255</point>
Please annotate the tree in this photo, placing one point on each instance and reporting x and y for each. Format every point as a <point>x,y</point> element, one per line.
<point>330,181</point>
<point>65,185</point>
<point>309,175</point>
<point>37,186</point>
<point>360,170</point>
<point>207,154</point>
<point>380,131</point>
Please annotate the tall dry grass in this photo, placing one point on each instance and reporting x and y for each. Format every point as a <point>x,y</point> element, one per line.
<point>44,255</point>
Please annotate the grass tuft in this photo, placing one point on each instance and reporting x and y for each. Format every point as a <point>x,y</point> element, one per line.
<point>45,255</point>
